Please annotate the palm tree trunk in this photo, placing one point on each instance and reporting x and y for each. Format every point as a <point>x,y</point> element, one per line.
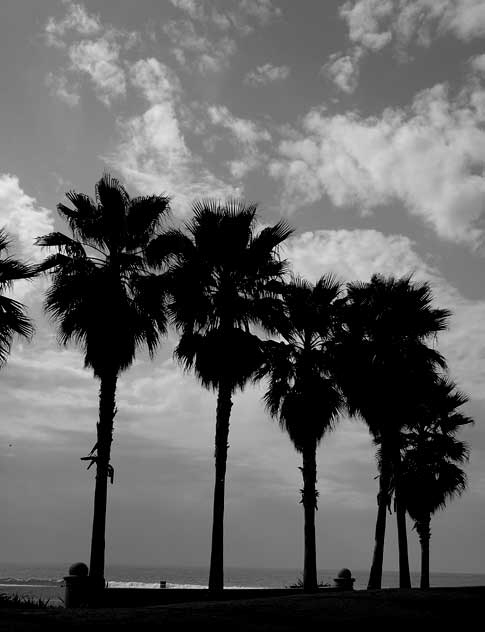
<point>107,412</point>
<point>309,500</point>
<point>424,533</point>
<point>375,576</point>
<point>224,405</point>
<point>404,574</point>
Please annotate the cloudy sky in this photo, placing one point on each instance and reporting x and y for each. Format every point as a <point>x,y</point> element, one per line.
<point>362,124</point>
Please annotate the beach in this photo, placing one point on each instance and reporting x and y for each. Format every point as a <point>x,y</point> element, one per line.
<point>401,609</point>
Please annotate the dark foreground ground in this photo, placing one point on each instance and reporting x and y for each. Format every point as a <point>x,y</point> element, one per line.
<point>433,610</point>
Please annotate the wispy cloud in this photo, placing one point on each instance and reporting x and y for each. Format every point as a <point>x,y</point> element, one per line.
<point>267,73</point>
<point>204,39</point>
<point>93,50</point>
<point>61,88</point>
<point>375,23</point>
<point>99,59</point>
<point>201,52</point>
<point>153,154</point>
<point>343,70</point>
<point>246,136</point>
<point>77,20</point>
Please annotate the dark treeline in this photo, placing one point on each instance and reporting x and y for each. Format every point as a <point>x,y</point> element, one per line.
<point>123,276</point>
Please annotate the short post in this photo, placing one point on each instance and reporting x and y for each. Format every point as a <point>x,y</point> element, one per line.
<point>76,592</point>
<point>344,580</point>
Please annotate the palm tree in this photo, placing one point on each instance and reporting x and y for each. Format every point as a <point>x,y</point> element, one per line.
<point>384,361</point>
<point>105,300</point>
<point>224,281</point>
<point>432,455</point>
<point>13,319</point>
<point>302,392</point>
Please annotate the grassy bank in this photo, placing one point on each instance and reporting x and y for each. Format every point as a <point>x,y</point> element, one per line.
<point>412,609</point>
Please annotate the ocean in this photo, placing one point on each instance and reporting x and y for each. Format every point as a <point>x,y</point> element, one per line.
<point>45,581</point>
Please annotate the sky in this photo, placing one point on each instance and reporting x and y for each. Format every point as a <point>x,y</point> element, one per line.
<point>362,123</point>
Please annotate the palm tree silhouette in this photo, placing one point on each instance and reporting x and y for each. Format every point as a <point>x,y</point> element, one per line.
<point>13,318</point>
<point>224,281</point>
<point>432,455</point>
<point>383,362</point>
<point>105,300</point>
<point>302,392</point>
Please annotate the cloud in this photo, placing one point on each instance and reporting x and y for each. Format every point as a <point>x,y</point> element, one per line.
<point>153,154</point>
<point>375,23</point>
<point>429,156</point>
<point>93,50</point>
<point>193,50</point>
<point>59,86</point>
<point>246,135</point>
<point>76,20</point>
<point>156,81</point>
<point>197,40</point>
<point>263,10</point>
<point>478,64</point>
<point>343,70</point>
<point>232,14</point>
<point>363,18</point>
<point>99,59</point>
<point>23,217</point>
<point>267,73</point>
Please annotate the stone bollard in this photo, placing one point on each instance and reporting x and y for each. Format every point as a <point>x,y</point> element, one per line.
<point>344,580</point>
<point>76,592</point>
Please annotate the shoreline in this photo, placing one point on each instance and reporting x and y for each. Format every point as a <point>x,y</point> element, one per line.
<point>438,606</point>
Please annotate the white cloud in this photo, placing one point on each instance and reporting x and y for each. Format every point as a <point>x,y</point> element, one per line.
<point>263,10</point>
<point>267,73</point>
<point>153,154</point>
<point>343,70</point>
<point>156,81</point>
<point>59,86</point>
<point>430,157</point>
<point>246,135</point>
<point>99,59</point>
<point>363,18</point>
<point>93,49</point>
<point>201,52</point>
<point>203,48</point>
<point>193,8</point>
<point>375,23</point>
<point>76,20</point>
<point>478,64</point>
<point>23,217</point>
<point>233,14</point>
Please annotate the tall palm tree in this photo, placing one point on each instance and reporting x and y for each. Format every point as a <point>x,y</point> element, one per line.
<point>13,318</point>
<point>224,280</point>
<point>104,299</point>
<point>385,359</point>
<point>432,456</point>
<point>302,392</point>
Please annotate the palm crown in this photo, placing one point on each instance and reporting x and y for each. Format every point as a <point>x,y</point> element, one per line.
<point>103,295</point>
<point>302,392</point>
<point>432,455</point>
<point>224,279</point>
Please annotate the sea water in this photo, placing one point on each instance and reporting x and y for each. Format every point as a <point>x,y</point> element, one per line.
<point>45,581</point>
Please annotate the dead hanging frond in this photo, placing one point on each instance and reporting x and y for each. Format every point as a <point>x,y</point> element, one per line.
<point>94,458</point>
<point>310,495</point>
